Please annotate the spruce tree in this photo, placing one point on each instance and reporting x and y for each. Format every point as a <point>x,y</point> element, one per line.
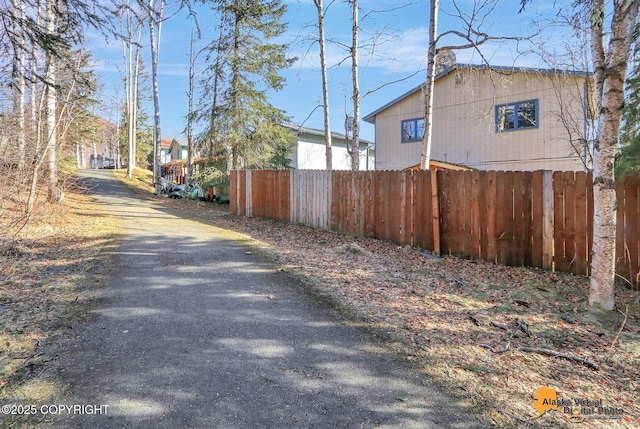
<point>628,156</point>
<point>248,62</point>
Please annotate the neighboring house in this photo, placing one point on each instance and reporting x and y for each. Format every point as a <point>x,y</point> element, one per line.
<point>310,151</point>
<point>178,150</point>
<point>165,150</point>
<point>498,119</point>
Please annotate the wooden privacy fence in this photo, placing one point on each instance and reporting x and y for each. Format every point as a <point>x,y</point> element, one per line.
<point>540,219</point>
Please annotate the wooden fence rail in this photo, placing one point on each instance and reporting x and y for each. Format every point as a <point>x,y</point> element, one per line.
<point>540,219</point>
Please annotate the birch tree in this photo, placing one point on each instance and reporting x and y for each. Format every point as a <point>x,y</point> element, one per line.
<point>156,12</point>
<point>471,35</point>
<point>131,46</point>
<point>42,32</point>
<point>325,85</point>
<point>613,25</point>
<point>19,83</point>
<point>51,76</point>
<point>355,132</point>
<point>190,98</point>
<point>610,59</point>
<point>425,159</point>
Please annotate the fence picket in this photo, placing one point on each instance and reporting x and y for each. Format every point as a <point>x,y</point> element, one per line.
<point>582,252</point>
<point>474,226</point>
<point>537,207</point>
<point>519,220</point>
<point>631,227</point>
<point>559,257</point>
<point>490,217</point>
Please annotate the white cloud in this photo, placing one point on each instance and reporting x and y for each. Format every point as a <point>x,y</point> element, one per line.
<point>400,53</point>
<point>173,69</point>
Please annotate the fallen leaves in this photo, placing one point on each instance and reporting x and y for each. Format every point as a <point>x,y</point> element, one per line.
<point>441,312</point>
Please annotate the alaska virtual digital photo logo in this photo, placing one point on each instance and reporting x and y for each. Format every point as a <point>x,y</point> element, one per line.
<point>577,409</point>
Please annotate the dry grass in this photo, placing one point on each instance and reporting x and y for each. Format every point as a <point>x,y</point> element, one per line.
<point>49,266</point>
<point>442,316</point>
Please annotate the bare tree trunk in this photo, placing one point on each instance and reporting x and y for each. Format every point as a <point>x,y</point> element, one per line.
<point>33,89</point>
<point>38,157</point>
<point>214,105</point>
<point>134,102</point>
<point>325,85</point>
<point>131,70</point>
<point>610,72</point>
<point>52,102</point>
<point>428,89</point>
<point>36,119</point>
<point>126,81</point>
<point>155,24</point>
<point>355,136</point>
<point>19,87</point>
<point>232,149</point>
<point>128,84</point>
<point>190,95</point>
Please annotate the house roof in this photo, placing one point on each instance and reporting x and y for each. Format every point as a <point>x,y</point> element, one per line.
<point>440,165</point>
<point>183,146</point>
<point>500,69</point>
<point>165,143</point>
<point>320,133</point>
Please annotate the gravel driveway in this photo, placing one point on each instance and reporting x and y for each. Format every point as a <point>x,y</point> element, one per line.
<point>194,330</point>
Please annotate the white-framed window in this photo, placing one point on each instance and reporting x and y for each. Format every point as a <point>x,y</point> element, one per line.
<point>412,130</point>
<point>517,116</point>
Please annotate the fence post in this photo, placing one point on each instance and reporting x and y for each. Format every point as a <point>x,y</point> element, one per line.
<point>403,209</point>
<point>435,211</point>
<point>248,194</point>
<point>547,219</point>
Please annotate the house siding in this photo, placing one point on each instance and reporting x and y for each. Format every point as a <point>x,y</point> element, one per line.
<point>464,123</point>
<point>310,155</point>
<point>390,153</point>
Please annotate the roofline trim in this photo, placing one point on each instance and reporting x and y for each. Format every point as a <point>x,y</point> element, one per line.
<point>502,69</point>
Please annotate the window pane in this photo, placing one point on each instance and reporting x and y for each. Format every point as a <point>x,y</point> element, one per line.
<point>506,117</point>
<point>408,130</point>
<point>420,129</point>
<point>527,114</point>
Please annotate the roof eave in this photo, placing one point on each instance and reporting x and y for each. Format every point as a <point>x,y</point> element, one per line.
<point>371,117</point>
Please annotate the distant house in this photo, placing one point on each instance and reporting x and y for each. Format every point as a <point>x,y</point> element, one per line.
<point>310,151</point>
<point>498,119</point>
<point>172,150</point>
<point>165,150</point>
<point>178,150</point>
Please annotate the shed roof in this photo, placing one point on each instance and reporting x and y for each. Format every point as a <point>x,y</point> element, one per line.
<point>165,142</point>
<point>320,133</point>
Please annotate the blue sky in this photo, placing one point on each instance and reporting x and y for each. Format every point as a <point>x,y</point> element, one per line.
<point>401,36</point>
